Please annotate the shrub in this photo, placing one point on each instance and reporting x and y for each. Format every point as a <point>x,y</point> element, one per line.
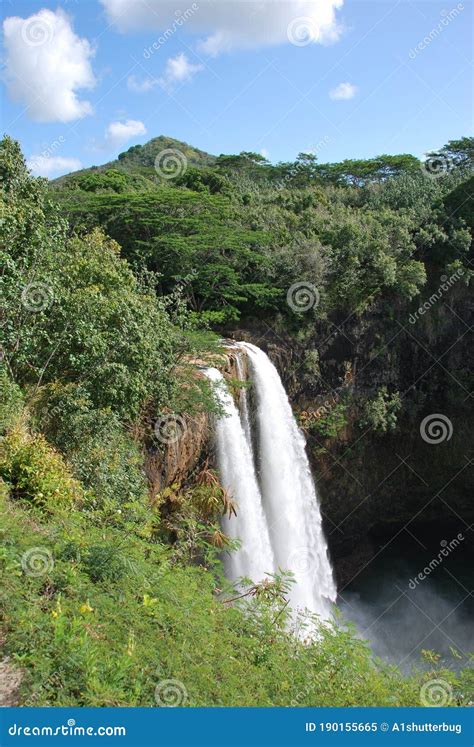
<point>102,563</point>
<point>35,472</point>
<point>101,454</point>
<point>330,423</point>
<point>380,414</point>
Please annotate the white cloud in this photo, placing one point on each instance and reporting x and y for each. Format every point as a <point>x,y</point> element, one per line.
<point>118,133</point>
<point>343,91</point>
<point>230,24</point>
<point>178,70</point>
<point>46,63</point>
<point>140,86</point>
<point>48,165</point>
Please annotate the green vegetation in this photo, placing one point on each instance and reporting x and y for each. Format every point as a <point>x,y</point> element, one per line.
<point>381,412</point>
<point>115,278</point>
<point>237,232</point>
<point>100,615</point>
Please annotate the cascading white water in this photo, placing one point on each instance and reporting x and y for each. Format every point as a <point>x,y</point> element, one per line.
<point>278,518</point>
<point>254,559</point>
<point>289,495</point>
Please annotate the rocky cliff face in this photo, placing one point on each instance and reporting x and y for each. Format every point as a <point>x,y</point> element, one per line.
<point>373,482</point>
<point>173,458</point>
<point>379,470</point>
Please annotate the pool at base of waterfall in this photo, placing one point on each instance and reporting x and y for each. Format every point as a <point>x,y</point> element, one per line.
<point>417,594</point>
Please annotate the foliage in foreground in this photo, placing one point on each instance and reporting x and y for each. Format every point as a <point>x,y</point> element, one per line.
<point>100,616</point>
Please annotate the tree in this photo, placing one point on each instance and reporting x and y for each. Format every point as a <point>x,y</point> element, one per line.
<point>72,310</point>
<point>189,239</point>
<point>460,152</point>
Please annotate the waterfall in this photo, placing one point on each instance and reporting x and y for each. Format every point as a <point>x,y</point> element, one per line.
<point>290,500</point>
<point>278,517</point>
<point>254,559</point>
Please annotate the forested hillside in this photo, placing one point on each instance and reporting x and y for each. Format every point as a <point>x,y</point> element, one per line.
<point>116,280</point>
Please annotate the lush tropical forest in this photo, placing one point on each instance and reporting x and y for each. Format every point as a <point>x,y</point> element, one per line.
<point>116,280</point>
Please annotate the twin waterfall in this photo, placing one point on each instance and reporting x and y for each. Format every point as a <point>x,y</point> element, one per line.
<point>263,465</point>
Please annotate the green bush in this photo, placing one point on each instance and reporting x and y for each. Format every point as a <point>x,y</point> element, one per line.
<point>380,413</point>
<point>102,563</point>
<point>100,453</point>
<point>330,423</point>
<point>35,472</point>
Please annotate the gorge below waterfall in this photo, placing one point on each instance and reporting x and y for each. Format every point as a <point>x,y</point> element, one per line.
<point>262,461</point>
<point>263,465</point>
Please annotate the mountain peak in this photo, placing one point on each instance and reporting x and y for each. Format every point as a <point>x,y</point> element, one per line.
<point>145,155</point>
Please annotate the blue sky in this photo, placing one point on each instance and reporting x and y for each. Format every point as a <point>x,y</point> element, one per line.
<point>343,80</point>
